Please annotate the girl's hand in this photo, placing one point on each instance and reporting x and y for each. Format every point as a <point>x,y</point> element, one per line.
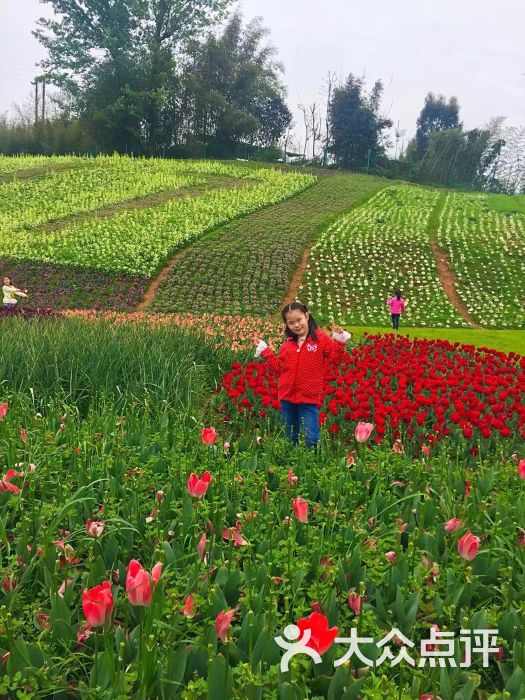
<point>260,348</point>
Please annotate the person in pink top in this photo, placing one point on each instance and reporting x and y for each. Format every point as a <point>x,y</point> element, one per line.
<point>397,307</point>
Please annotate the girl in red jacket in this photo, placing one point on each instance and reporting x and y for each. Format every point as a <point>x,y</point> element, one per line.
<point>300,365</point>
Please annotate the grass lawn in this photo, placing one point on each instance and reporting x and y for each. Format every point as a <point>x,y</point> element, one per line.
<point>504,340</point>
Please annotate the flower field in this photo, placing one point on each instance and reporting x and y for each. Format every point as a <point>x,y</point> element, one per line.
<point>419,392</point>
<point>139,241</point>
<point>154,541</point>
<point>24,204</point>
<point>10,165</point>
<point>248,265</point>
<point>358,262</point>
<point>486,249</point>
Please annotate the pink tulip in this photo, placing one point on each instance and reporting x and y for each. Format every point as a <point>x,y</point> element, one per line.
<point>201,547</point>
<point>209,436</point>
<point>426,451</point>
<point>189,607</point>
<point>223,622</point>
<point>453,525</point>
<point>198,485</point>
<point>350,460</point>
<point>94,528</point>
<point>292,479</point>
<point>23,435</point>
<point>391,556</point>
<point>229,533</point>
<point>140,584</point>
<point>468,546</point>
<point>354,601</point>
<point>65,584</point>
<point>3,410</point>
<point>363,431</point>
<point>521,539</point>
<point>397,447</point>
<point>97,604</point>
<point>300,508</point>
<point>521,468</point>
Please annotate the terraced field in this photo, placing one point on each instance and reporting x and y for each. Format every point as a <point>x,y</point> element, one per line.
<point>207,237</point>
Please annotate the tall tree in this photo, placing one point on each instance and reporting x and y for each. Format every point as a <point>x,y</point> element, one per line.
<point>121,53</point>
<point>437,115</point>
<point>356,126</point>
<point>232,88</point>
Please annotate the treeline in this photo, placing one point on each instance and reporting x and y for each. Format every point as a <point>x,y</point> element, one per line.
<point>131,76</point>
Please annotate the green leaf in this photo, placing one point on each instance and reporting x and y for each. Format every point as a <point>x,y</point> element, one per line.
<point>220,680</point>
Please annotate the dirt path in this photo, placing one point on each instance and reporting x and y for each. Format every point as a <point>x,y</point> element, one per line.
<point>33,173</point>
<point>296,280</point>
<point>156,282</point>
<point>448,281</point>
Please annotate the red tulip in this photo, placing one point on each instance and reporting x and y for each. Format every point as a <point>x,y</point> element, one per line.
<point>453,525</point>
<point>94,528</point>
<point>198,485</point>
<point>300,508</point>
<point>3,410</point>
<point>521,468</point>
<point>363,431</point>
<point>189,607</point>
<point>209,436</point>
<point>354,601</point>
<point>97,604</point>
<point>521,539</point>
<point>321,637</point>
<point>5,482</point>
<point>426,451</point>
<point>467,488</point>
<point>223,622</point>
<point>140,584</point>
<point>468,546</point>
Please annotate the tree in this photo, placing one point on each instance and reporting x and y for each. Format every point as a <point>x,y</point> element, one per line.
<point>437,115</point>
<point>356,127</point>
<point>121,55</point>
<point>231,88</point>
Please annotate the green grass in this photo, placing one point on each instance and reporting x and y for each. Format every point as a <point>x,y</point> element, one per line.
<point>87,362</point>
<point>513,204</point>
<point>504,340</point>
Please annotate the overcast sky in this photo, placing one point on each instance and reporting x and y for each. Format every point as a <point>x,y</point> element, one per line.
<point>473,49</point>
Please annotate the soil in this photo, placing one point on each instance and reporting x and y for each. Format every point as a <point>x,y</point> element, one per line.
<point>152,289</point>
<point>296,280</point>
<point>448,282</point>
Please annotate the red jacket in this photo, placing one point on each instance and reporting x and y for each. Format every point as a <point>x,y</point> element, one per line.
<point>301,370</point>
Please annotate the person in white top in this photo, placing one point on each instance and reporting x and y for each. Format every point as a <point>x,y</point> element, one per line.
<point>10,293</point>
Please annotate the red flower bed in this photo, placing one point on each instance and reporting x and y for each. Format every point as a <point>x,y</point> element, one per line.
<point>423,389</point>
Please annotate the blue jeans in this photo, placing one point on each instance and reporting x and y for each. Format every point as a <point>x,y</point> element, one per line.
<point>294,414</point>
